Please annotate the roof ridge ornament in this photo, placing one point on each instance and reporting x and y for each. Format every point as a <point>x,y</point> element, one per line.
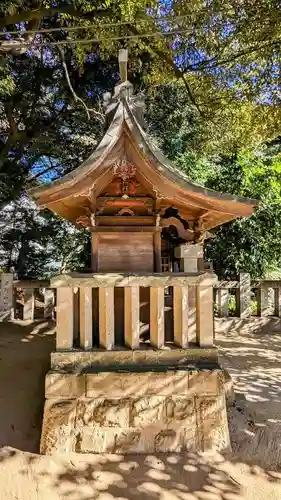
<point>123,62</point>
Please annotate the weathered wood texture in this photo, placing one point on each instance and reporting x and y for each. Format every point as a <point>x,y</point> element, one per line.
<point>118,252</point>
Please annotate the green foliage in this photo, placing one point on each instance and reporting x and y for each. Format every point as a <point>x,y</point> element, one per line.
<point>213,97</point>
<point>39,245</point>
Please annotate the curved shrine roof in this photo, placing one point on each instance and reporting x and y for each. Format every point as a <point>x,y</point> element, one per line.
<point>126,139</point>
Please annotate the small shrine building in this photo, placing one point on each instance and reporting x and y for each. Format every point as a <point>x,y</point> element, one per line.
<point>135,349</point>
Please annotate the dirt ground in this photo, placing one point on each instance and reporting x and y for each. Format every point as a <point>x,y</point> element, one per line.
<point>252,471</point>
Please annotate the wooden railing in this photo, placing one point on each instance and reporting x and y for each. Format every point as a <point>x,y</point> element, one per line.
<point>94,297</point>
<point>251,297</point>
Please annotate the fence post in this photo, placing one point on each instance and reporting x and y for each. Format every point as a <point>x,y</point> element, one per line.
<point>262,299</point>
<point>244,296</point>
<point>6,296</point>
<point>29,304</point>
<point>277,302</point>
<point>222,301</point>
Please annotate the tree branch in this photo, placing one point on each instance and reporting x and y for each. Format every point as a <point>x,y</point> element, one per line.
<point>10,117</point>
<point>40,13</point>
<point>39,174</point>
<point>75,96</point>
<point>169,60</point>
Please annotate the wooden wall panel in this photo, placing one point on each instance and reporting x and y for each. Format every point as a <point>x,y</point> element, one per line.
<point>125,252</point>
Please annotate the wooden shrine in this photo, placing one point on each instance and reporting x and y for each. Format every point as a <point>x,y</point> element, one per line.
<point>135,368</point>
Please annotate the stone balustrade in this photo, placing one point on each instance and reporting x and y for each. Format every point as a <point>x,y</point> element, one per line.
<point>76,306</point>
<point>252,297</point>
<point>23,299</point>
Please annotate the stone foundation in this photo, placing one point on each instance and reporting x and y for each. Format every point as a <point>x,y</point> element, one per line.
<point>141,411</point>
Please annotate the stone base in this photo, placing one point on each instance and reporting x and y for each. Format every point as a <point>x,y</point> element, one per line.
<point>135,412</point>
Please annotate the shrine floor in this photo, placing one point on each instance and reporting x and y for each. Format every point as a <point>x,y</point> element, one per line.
<point>251,471</point>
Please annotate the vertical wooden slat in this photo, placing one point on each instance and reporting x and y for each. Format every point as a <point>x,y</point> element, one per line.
<point>29,304</point>
<point>64,310</point>
<point>222,301</point>
<point>86,318</point>
<point>157,326</point>
<point>132,317</point>
<point>277,302</point>
<point>262,300</point>
<point>204,316</point>
<point>106,317</point>
<point>49,301</point>
<point>180,311</point>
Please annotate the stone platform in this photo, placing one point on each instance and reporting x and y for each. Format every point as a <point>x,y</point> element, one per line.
<point>133,408</point>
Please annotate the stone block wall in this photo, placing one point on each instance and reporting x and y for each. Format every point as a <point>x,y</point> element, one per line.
<point>135,412</point>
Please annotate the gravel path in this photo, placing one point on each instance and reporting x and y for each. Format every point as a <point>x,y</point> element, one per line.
<point>252,472</point>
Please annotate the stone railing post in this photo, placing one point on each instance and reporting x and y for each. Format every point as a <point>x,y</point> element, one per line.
<point>106,317</point>
<point>262,300</point>
<point>205,313</point>
<point>191,258</point>
<point>131,312</point>
<point>49,302</point>
<point>86,317</point>
<point>6,296</point>
<point>277,301</point>
<point>181,316</point>
<point>29,304</point>
<point>65,326</point>
<point>222,302</point>
<point>157,326</point>
<point>244,296</point>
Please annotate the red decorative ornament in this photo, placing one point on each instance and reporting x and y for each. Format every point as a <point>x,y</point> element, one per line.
<point>124,170</point>
<point>132,188</point>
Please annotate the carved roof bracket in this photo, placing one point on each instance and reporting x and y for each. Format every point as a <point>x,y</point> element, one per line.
<point>88,221</point>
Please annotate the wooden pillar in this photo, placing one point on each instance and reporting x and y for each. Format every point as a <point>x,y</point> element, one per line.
<point>277,302</point>
<point>49,301</point>
<point>132,313</point>
<point>86,318</point>
<point>29,304</point>
<point>262,300</point>
<point>106,317</point>
<point>180,312</point>
<point>157,251</point>
<point>222,301</point>
<point>204,316</point>
<point>64,337</point>
<point>157,326</point>
<point>94,251</point>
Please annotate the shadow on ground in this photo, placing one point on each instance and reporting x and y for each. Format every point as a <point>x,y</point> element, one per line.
<point>251,471</point>
<point>24,360</point>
